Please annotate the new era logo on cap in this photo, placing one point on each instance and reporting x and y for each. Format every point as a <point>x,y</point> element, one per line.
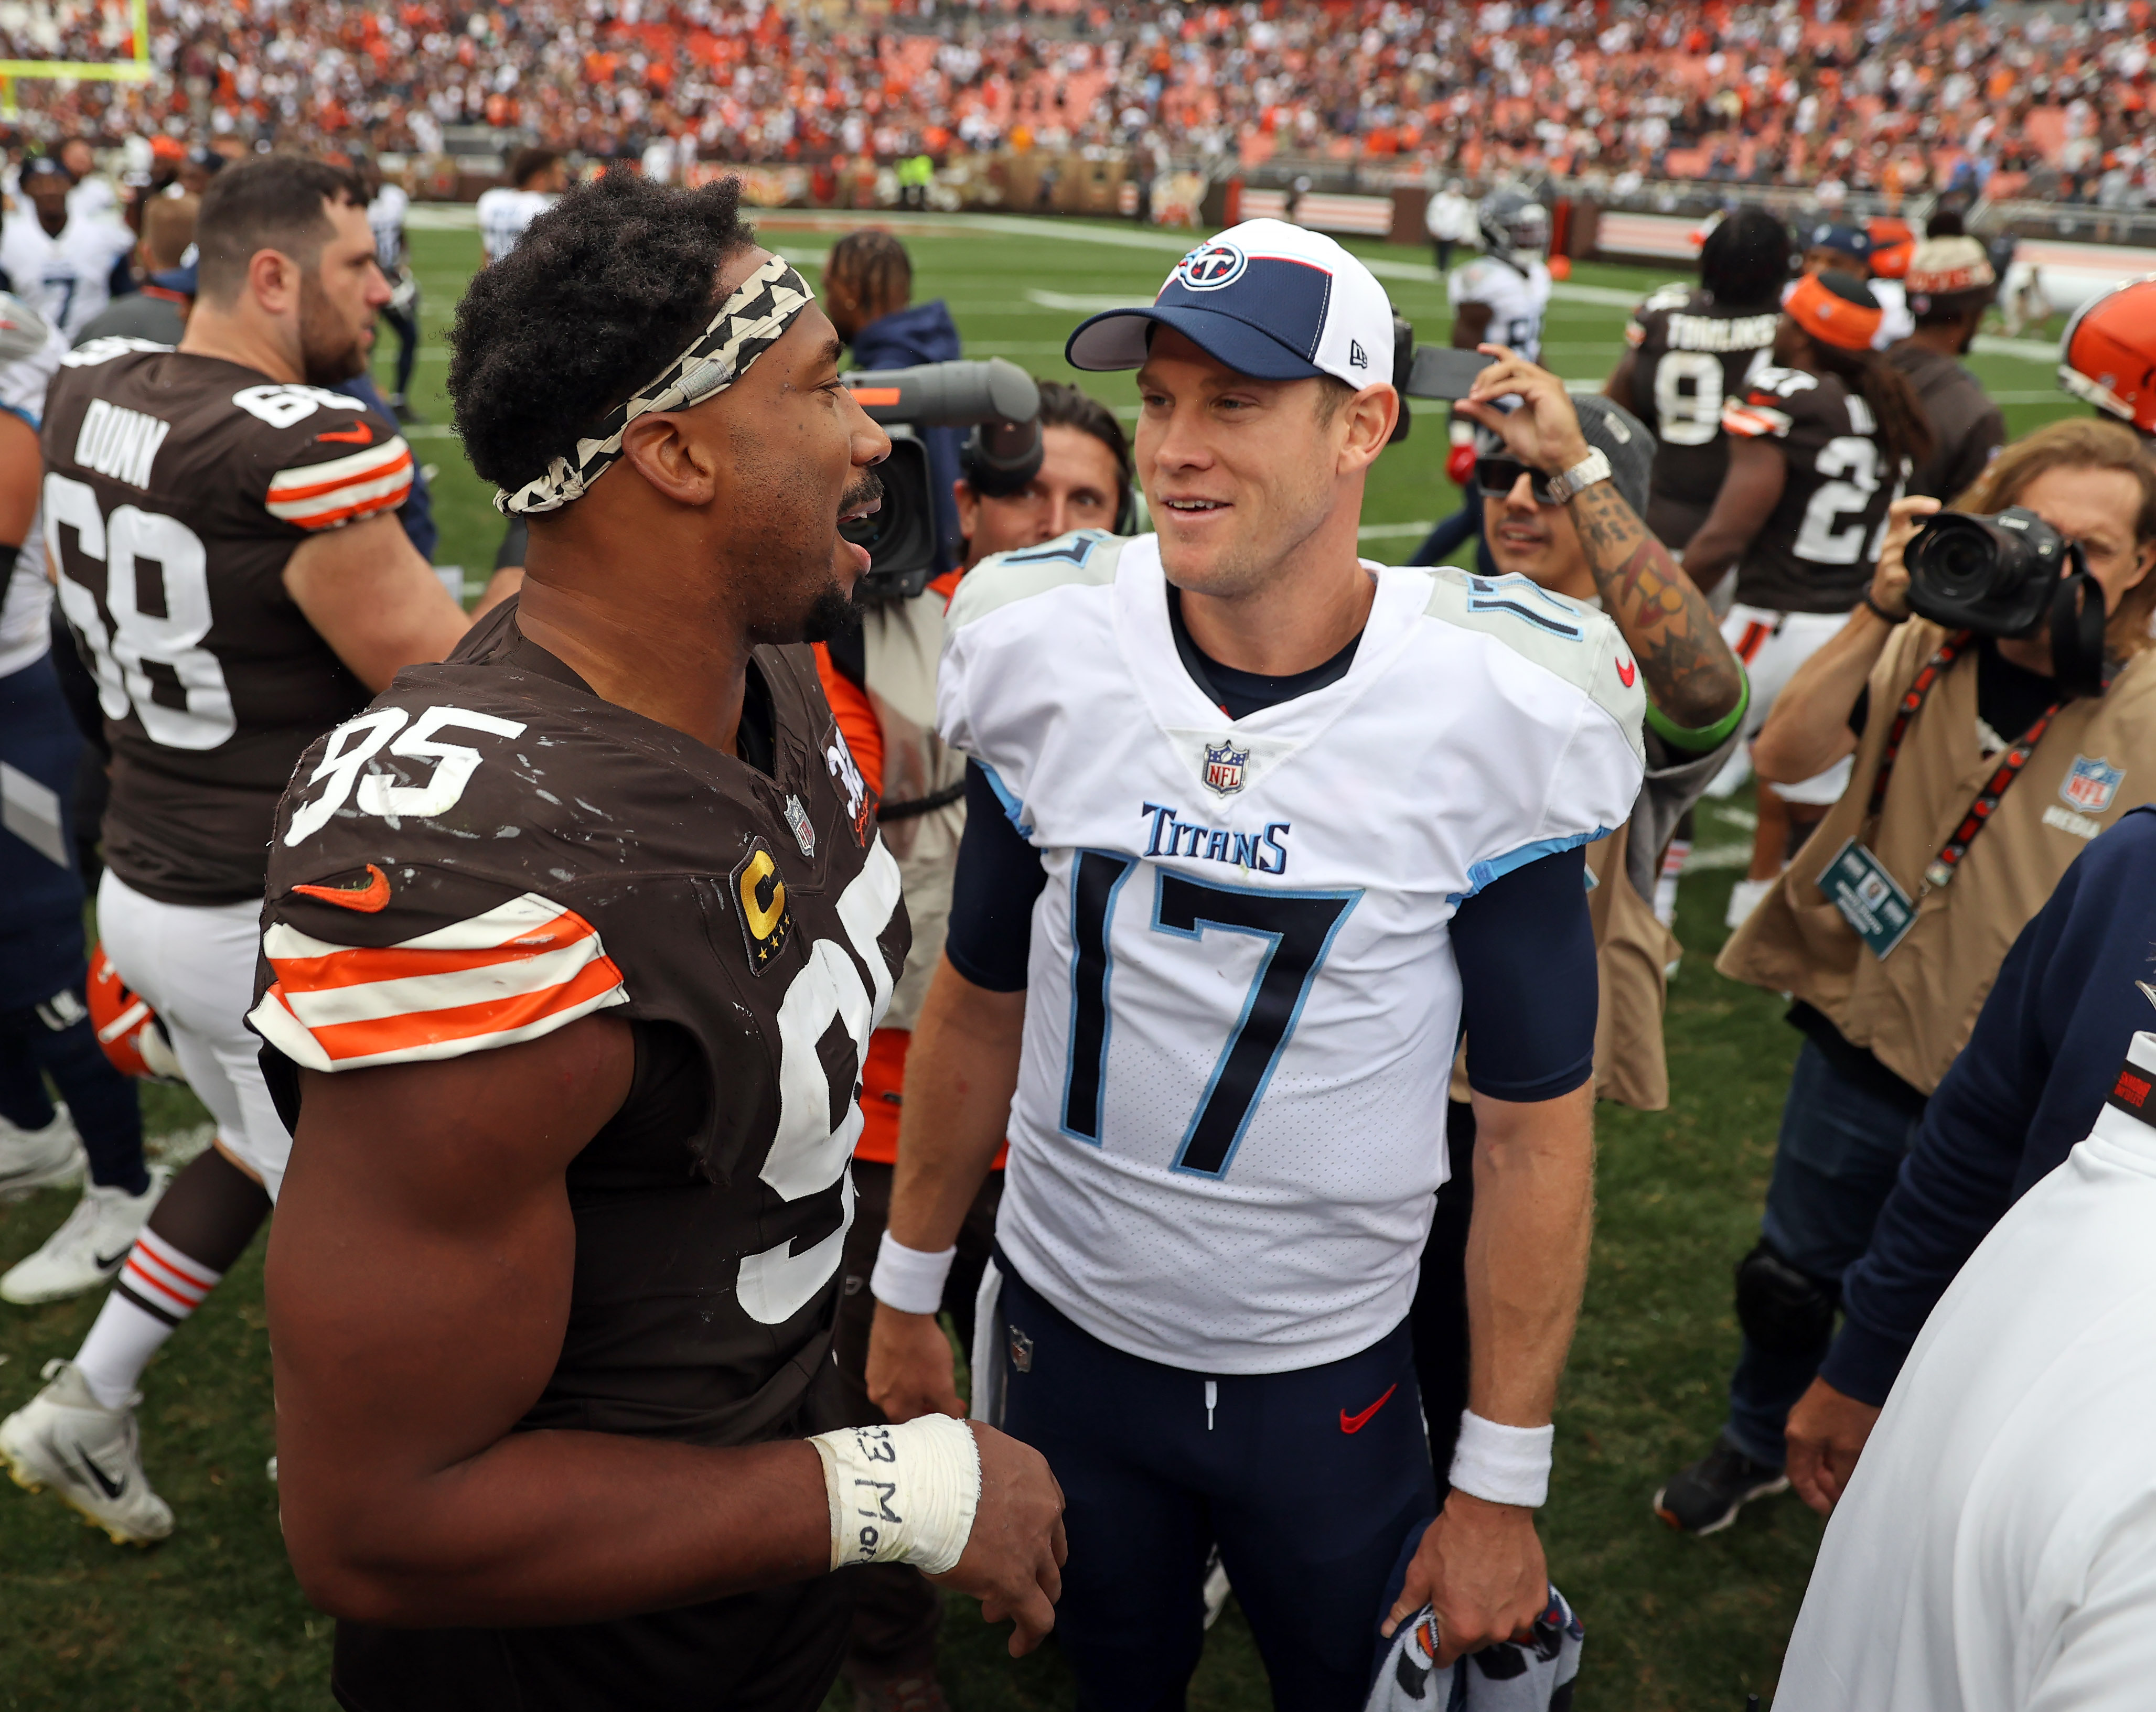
<point>1269,299</point>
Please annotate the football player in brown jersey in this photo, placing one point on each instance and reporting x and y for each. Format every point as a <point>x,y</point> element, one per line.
<point>1818,446</point>
<point>573,947</point>
<point>1691,349</point>
<point>224,534</point>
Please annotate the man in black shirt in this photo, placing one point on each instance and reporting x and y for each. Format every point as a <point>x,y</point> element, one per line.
<point>1950,286</point>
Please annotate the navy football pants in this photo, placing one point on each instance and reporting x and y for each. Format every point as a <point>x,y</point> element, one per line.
<point>1309,1491</point>
<point>44,1029</point>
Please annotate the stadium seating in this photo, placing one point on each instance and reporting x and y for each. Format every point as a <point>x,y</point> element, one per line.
<point>1889,96</point>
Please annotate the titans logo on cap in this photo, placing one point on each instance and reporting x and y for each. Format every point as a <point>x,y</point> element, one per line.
<point>1211,266</point>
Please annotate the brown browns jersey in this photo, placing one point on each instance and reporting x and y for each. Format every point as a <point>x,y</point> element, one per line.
<point>491,851</point>
<point>1816,551</point>
<point>1968,429</point>
<point>1691,354</point>
<point>176,488</point>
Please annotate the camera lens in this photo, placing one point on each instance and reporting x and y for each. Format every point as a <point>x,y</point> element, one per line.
<point>1961,558</point>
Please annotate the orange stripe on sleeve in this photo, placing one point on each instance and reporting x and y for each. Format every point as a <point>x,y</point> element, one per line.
<point>413,1029</point>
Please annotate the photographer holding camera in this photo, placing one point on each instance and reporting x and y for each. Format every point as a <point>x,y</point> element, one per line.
<point>1996,689</point>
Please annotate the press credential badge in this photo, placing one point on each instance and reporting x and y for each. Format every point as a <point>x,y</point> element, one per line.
<point>1870,898</point>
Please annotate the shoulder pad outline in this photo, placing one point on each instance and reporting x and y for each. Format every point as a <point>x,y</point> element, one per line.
<point>1087,557</point>
<point>1784,382</point>
<point>101,350</point>
<point>1575,643</point>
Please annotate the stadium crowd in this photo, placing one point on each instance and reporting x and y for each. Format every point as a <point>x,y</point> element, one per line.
<point>1891,97</point>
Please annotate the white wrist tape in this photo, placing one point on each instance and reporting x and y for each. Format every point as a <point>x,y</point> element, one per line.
<point>902,1495</point>
<point>1502,1465</point>
<point>909,1279</point>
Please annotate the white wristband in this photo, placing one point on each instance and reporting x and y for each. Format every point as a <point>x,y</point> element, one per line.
<point>902,1495</point>
<point>909,1279</point>
<point>1502,1465</point>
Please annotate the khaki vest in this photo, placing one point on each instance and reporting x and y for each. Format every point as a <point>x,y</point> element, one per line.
<point>1915,1009</point>
<point>1632,948</point>
<point>903,640</point>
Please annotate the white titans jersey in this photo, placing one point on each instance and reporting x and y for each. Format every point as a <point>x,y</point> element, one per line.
<point>503,215</point>
<point>1242,1001</point>
<point>385,216</point>
<point>68,278</point>
<point>1517,301</point>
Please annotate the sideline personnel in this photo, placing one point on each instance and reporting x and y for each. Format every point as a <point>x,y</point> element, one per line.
<point>1695,695</point>
<point>2079,983</point>
<point>880,676</point>
<point>1281,875</point>
<point>1997,1550</point>
<point>1996,782</point>
<point>286,592</point>
<point>551,1295</point>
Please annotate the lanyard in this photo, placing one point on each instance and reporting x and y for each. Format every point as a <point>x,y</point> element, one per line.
<point>1944,866</point>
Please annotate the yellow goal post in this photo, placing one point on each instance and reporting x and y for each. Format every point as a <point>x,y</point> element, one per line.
<point>136,69</point>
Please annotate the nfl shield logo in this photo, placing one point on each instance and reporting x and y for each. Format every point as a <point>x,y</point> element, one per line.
<point>1223,768</point>
<point>2089,785</point>
<point>805,834</point>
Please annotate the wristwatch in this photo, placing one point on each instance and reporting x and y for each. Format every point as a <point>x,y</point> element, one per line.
<point>1593,468</point>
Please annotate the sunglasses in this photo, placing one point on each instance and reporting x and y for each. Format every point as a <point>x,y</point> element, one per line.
<point>1498,476</point>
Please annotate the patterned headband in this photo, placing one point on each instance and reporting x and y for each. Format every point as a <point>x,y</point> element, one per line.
<point>748,324</point>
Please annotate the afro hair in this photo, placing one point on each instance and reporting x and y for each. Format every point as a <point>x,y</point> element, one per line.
<point>603,289</point>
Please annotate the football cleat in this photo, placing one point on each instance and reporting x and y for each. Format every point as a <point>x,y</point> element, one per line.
<point>89,1248</point>
<point>2107,355</point>
<point>88,1454</point>
<point>30,1159</point>
<point>127,1028</point>
<point>1705,1498</point>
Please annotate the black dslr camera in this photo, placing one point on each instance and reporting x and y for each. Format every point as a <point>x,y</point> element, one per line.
<point>2009,576</point>
<point>997,399</point>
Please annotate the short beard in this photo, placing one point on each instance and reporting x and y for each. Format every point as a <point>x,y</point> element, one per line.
<point>330,353</point>
<point>832,612</point>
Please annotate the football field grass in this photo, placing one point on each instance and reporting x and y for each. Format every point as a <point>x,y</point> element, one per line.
<point>213,1619</point>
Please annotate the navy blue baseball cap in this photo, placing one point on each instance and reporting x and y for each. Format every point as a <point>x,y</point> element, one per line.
<point>1269,299</point>
<point>1853,241</point>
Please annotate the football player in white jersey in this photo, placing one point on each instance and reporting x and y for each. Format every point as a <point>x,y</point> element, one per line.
<point>1254,825</point>
<point>1502,296</point>
<point>60,263</point>
<point>387,205</point>
<point>536,177</point>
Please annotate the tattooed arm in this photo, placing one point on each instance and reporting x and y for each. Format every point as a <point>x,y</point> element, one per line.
<point>1692,675</point>
<point>1692,679</point>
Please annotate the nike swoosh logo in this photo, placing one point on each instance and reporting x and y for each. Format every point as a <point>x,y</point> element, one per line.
<point>358,434</point>
<point>1626,671</point>
<point>1356,1423</point>
<point>105,1263</point>
<point>368,900</point>
<point>105,1483</point>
